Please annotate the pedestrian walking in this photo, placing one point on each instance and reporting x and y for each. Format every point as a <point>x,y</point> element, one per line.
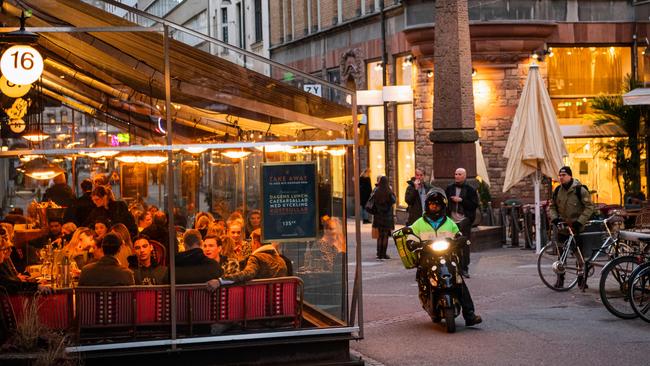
<point>365,188</point>
<point>383,220</point>
<point>463,202</point>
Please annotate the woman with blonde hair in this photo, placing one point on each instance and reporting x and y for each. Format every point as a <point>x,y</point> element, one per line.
<point>126,249</point>
<point>323,257</point>
<point>77,248</point>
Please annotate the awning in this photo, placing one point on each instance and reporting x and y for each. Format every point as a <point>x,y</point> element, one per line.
<point>590,131</point>
<point>638,96</point>
<point>119,77</point>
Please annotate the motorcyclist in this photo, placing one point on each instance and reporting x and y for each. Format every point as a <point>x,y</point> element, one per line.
<point>434,224</point>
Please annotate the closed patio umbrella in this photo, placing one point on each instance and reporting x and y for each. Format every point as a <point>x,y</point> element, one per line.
<point>535,144</point>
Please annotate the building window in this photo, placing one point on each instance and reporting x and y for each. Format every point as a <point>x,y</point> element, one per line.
<point>376,161</point>
<point>198,23</point>
<point>258,20</point>
<point>575,76</point>
<point>405,74</point>
<point>240,23</point>
<point>224,25</point>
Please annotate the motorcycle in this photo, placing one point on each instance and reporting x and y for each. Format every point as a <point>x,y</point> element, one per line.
<point>437,264</point>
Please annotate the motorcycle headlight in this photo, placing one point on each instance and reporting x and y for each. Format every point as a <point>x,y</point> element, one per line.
<point>440,245</point>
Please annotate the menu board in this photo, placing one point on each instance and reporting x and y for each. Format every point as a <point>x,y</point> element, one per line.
<point>289,201</point>
<point>133,181</point>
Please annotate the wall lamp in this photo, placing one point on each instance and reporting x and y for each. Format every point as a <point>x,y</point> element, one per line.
<point>541,54</point>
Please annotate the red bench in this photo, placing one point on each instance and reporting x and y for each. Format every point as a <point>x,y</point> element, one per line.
<point>138,309</point>
<point>55,311</point>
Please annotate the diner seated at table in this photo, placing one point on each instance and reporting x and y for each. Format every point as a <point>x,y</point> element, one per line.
<point>143,219</point>
<point>55,227</point>
<point>212,247</point>
<point>202,224</point>
<point>146,270</point>
<point>192,265</point>
<point>107,271</point>
<point>100,227</point>
<point>127,246</point>
<point>77,249</point>
<point>216,228</point>
<point>158,229</point>
<point>67,230</point>
<point>235,247</point>
<point>9,278</point>
<point>327,251</point>
<point>256,242</point>
<point>253,221</point>
<point>265,262</point>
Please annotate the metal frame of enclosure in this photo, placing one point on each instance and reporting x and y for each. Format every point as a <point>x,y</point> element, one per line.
<point>282,118</point>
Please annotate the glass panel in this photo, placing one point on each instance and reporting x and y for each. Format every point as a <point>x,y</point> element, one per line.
<point>643,64</point>
<point>405,70</point>
<point>604,10</point>
<point>374,70</point>
<point>376,161</point>
<point>573,110</point>
<point>588,71</point>
<point>487,10</point>
<point>376,122</point>
<point>405,168</point>
<point>405,121</point>
<point>593,167</point>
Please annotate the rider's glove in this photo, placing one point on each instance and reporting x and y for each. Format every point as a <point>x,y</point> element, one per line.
<point>556,221</point>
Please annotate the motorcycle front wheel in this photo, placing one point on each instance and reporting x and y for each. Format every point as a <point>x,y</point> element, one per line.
<point>557,271</point>
<point>450,320</point>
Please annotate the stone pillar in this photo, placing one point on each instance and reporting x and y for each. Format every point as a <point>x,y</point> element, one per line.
<point>454,131</point>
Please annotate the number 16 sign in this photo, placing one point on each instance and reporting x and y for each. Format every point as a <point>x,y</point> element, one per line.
<point>21,64</point>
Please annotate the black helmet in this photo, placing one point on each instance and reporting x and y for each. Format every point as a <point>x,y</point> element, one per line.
<point>438,197</point>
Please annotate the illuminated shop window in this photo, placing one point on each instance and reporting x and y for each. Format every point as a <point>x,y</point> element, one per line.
<point>588,71</point>
<point>405,168</point>
<point>575,76</point>
<point>376,158</point>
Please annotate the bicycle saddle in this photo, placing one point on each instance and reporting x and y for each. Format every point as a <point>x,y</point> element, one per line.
<point>633,235</point>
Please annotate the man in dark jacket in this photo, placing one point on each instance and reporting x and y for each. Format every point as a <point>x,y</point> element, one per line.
<point>9,276</point>
<point>60,193</point>
<point>84,205</point>
<point>192,266</point>
<point>145,269</point>
<point>415,195</point>
<point>107,271</point>
<point>463,202</point>
<point>365,188</point>
<point>265,262</point>
<point>158,229</point>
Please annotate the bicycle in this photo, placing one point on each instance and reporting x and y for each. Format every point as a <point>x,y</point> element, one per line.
<point>616,275</point>
<point>639,290</point>
<point>561,265</point>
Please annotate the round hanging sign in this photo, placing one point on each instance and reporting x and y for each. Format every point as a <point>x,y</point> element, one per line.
<point>17,125</point>
<point>13,90</point>
<point>21,64</point>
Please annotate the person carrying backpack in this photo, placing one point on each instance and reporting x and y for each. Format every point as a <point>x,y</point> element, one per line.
<point>571,202</point>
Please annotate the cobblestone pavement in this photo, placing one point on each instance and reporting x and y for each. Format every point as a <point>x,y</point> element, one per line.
<point>524,321</point>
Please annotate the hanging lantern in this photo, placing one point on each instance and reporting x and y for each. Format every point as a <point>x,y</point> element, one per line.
<point>236,153</point>
<point>21,64</point>
<point>41,169</point>
<point>13,90</point>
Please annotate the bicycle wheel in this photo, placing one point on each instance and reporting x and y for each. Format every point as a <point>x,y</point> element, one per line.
<point>557,273</point>
<point>614,282</point>
<point>639,293</point>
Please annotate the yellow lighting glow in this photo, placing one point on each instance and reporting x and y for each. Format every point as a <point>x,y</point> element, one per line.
<point>340,151</point>
<point>35,136</point>
<point>145,159</point>
<point>236,154</point>
<point>195,150</point>
<point>102,154</point>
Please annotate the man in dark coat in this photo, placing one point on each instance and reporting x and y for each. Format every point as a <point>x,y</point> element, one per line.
<point>84,205</point>
<point>415,196</point>
<point>9,278</point>
<point>365,188</point>
<point>107,271</point>
<point>192,266</point>
<point>60,193</point>
<point>463,202</point>
<point>158,229</point>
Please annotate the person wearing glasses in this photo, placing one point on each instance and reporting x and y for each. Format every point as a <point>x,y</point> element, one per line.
<point>571,203</point>
<point>9,278</point>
